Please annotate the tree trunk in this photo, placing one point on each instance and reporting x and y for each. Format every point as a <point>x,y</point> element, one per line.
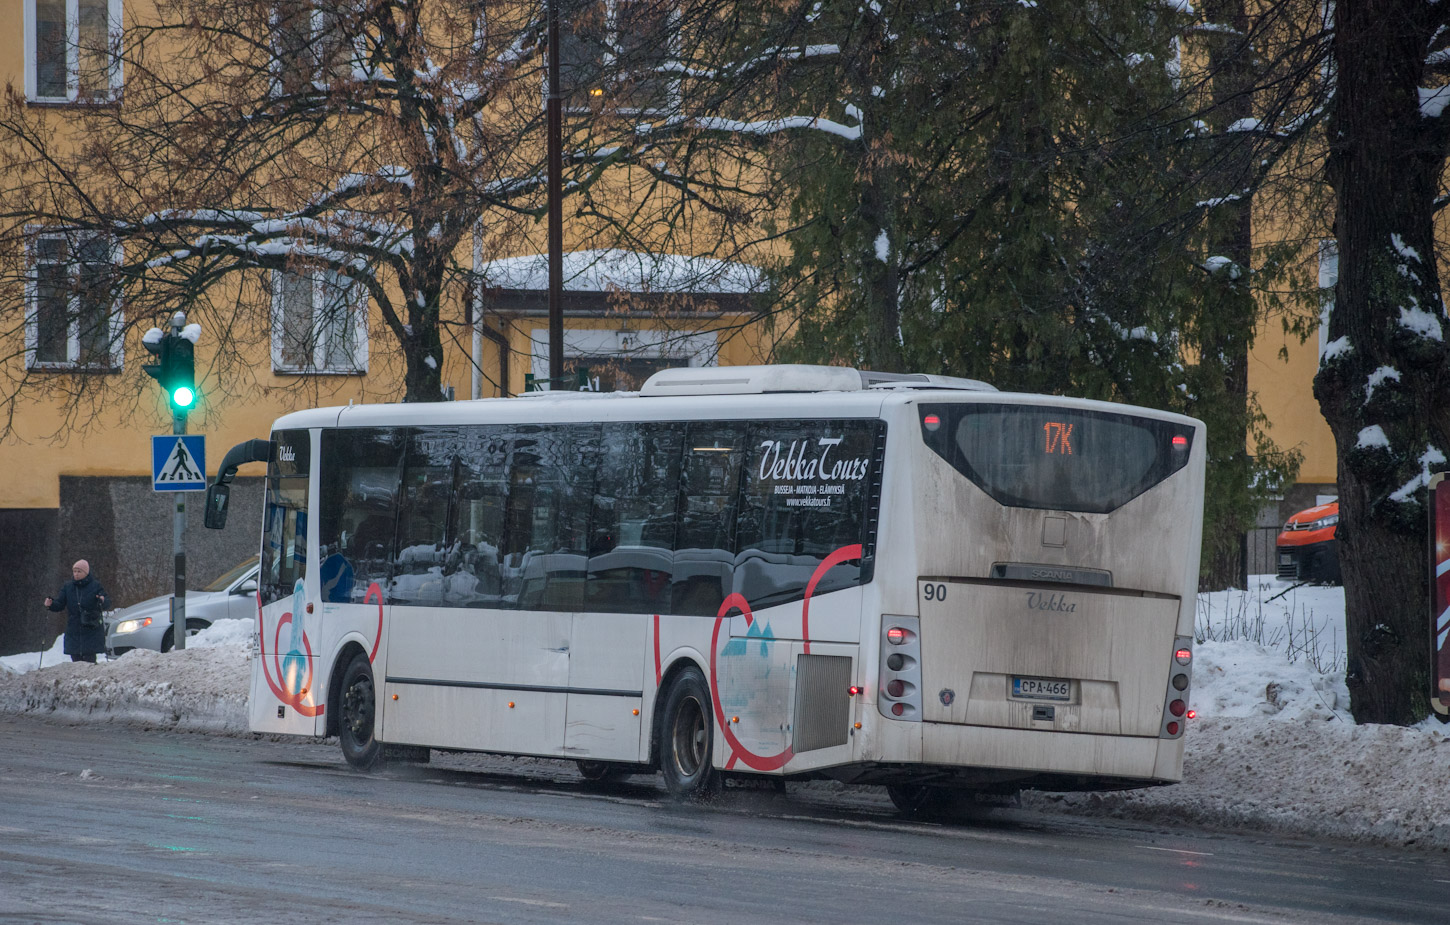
<point>423,381</point>
<point>1228,331</point>
<point>1385,161</point>
<point>883,330</point>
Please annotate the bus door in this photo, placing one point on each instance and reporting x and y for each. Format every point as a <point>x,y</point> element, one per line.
<point>285,692</point>
<point>629,570</point>
<point>485,583</point>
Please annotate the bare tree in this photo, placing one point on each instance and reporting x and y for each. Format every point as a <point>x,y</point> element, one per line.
<point>271,167</point>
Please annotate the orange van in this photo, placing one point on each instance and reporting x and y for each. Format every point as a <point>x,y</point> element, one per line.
<point>1307,548</point>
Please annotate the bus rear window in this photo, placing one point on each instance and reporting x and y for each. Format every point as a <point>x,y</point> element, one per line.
<point>1056,458</point>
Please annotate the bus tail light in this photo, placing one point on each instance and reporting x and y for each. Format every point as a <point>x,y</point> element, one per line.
<point>1176,696</point>
<point>900,669</point>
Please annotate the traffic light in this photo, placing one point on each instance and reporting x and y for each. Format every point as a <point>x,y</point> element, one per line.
<point>175,367</point>
<point>180,383</point>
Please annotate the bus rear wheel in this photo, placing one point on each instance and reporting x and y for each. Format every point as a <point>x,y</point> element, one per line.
<point>687,738</point>
<point>918,800</point>
<point>357,715</point>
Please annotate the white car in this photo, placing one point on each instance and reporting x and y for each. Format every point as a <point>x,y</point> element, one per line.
<point>147,625</point>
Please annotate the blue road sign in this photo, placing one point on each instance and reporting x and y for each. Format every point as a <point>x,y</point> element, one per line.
<point>178,462</point>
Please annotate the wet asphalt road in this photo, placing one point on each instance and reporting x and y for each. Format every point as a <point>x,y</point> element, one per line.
<point>116,824</point>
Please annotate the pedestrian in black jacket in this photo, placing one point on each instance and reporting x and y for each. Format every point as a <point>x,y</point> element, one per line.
<point>84,599</point>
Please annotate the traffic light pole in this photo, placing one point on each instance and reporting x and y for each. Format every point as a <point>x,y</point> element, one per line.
<point>178,550</point>
<point>178,539</point>
<point>175,371</point>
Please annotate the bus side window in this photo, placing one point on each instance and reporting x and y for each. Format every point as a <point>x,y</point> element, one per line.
<point>480,501</point>
<point>357,500</point>
<point>703,570</point>
<point>805,495</point>
<point>632,527</point>
<point>421,565</point>
<point>550,482</point>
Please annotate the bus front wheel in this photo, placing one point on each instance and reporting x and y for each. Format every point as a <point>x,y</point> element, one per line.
<point>357,715</point>
<point>687,740</point>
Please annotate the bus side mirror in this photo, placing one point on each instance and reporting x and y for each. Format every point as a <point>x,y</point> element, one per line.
<point>217,496</point>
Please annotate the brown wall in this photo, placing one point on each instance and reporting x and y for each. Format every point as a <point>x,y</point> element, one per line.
<point>28,551</point>
<point>124,529</point>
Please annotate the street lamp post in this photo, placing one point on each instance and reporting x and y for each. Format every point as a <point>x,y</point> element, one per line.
<point>554,141</point>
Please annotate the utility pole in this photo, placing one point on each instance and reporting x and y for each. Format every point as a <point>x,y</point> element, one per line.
<point>554,117</point>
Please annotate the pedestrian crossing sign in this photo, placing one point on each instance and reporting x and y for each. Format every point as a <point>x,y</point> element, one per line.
<point>178,463</point>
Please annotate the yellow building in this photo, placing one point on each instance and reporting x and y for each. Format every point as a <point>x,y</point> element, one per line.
<point>79,469</point>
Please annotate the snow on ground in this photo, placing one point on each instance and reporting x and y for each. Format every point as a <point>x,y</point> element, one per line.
<point>1273,747</point>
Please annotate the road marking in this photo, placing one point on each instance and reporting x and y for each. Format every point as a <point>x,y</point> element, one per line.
<point>1201,854</point>
<point>530,902</point>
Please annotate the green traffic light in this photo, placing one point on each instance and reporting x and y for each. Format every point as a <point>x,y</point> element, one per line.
<point>183,397</point>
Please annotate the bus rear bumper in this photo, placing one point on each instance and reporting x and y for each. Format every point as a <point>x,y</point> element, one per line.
<point>1148,759</point>
<point>995,759</point>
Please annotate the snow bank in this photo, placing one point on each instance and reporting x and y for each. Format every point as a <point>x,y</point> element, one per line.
<point>203,688</point>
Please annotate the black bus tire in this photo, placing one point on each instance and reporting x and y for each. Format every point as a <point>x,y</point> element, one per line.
<point>357,715</point>
<point>687,738</point>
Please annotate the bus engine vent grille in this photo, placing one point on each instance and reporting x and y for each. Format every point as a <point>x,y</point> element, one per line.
<point>822,705</point>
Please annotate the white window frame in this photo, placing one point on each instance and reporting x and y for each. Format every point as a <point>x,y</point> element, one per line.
<point>318,70</point>
<point>116,317</point>
<point>1328,278</point>
<point>611,41</point>
<point>360,306</point>
<point>696,349</point>
<point>72,56</point>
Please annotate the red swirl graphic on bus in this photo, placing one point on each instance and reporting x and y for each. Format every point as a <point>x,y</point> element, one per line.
<point>738,751</point>
<point>293,681</point>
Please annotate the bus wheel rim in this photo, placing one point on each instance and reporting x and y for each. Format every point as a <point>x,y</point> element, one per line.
<point>690,736</point>
<point>357,709</point>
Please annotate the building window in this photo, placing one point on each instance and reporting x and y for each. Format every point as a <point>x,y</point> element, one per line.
<point>617,54</point>
<point>1328,279</point>
<point>319,323</point>
<point>72,50</point>
<point>620,361</point>
<point>73,310</point>
<point>310,44</point>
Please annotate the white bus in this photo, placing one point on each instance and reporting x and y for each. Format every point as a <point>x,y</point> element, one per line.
<point>797,571</point>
